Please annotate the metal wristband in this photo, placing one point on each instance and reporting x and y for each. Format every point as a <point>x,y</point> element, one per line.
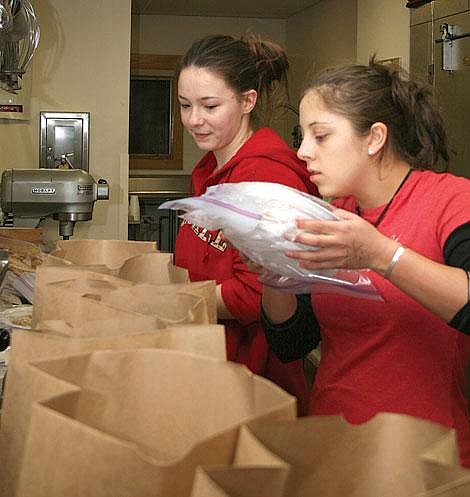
<point>468,285</point>
<point>396,257</point>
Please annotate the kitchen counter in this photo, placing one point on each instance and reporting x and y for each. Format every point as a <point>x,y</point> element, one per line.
<point>167,186</point>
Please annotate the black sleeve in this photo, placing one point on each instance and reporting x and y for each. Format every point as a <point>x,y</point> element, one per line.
<point>297,336</point>
<point>457,254</point>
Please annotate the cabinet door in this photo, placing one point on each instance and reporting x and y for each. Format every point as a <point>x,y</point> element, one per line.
<point>453,91</point>
<point>421,48</point>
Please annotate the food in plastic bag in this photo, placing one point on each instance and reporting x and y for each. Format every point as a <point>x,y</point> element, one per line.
<point>257,218</point>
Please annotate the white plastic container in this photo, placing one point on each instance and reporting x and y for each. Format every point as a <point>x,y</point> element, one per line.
<point>18,317</point>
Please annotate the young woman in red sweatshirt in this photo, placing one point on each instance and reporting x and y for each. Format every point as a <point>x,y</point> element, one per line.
<point>222,81</point>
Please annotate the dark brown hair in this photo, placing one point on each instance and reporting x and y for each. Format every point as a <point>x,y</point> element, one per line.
<point>366,94</point>
<point>245,63</point>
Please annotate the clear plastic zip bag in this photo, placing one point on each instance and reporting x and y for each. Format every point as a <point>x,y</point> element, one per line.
<point>257,218</point>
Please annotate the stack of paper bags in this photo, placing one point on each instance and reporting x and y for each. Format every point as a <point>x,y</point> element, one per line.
<point>136,262</point>
<point>86,307</point>
<point>122,389</point>
<point>75,294</point>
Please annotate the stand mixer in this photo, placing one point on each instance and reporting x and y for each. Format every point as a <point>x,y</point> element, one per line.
<point>66,195</point>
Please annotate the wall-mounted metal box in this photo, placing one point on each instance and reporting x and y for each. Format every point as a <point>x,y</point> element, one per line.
<point>64,140</point>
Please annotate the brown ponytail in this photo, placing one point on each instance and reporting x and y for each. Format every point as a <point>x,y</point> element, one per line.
<point>379,93</point>
<point>246,63</point>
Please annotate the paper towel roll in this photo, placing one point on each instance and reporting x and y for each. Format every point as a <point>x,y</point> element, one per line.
<point>134,208</point>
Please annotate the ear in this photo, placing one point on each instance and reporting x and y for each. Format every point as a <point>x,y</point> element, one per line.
<point>377,138</point>
<point>249,99</point>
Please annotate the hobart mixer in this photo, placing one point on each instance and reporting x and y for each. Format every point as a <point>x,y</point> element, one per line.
<point>66,195</point>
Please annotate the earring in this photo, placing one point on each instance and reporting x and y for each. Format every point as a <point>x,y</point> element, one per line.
<point>370,151</point>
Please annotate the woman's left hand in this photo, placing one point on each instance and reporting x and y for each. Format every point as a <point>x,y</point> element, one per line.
<point>350,243</point>
<point>252,266</point>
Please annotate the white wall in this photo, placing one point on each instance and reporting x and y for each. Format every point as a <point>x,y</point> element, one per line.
<point>173,35</point>
<point>81,65</point>
<point>319,36</point>
<point>383,27</point>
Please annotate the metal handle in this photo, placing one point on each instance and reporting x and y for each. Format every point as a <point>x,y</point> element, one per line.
<point>64,160</point>
<point>448,35</point>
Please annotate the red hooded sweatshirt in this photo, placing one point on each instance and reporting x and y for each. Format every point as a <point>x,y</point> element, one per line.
<point>264,157</point>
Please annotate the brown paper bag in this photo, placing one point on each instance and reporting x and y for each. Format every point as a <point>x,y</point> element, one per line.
<point>118,325</point>
<point>50,301</point>
<point>23,256</point>
<point>173,304</point>
<point>205,289</point>
<point>153,267</point>
<point>76,301</point>
<point>110,253</point>
<point>100,296</point>
<point>58,262</point>
<point>138,423</point>
<point>197,302</point>
<point>442,474</point>
<point>324,455</point>
<point>58,339</point>
<point>240,482</point>
<point>53,273</point>
<point>156,268</point>
<point>21,386</point>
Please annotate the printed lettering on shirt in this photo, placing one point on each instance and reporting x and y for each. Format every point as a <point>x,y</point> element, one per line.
<point>218,242</point>
<point>200,232</point>
<point>205,235</point>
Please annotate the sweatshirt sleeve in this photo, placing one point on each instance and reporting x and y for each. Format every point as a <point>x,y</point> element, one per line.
<point>242,292</point>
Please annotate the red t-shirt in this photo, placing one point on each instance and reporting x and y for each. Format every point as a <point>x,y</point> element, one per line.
<point>396,356</point>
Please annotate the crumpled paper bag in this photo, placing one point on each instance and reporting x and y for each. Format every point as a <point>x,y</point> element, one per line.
<point>150,267</point>
<point>390,455</point>
<point>109,253</point>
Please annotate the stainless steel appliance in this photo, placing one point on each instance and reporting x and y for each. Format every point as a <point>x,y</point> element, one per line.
<point>64,140</point>
<point>67,195</point>
<point>440,53</point>
<point>160,225</point>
